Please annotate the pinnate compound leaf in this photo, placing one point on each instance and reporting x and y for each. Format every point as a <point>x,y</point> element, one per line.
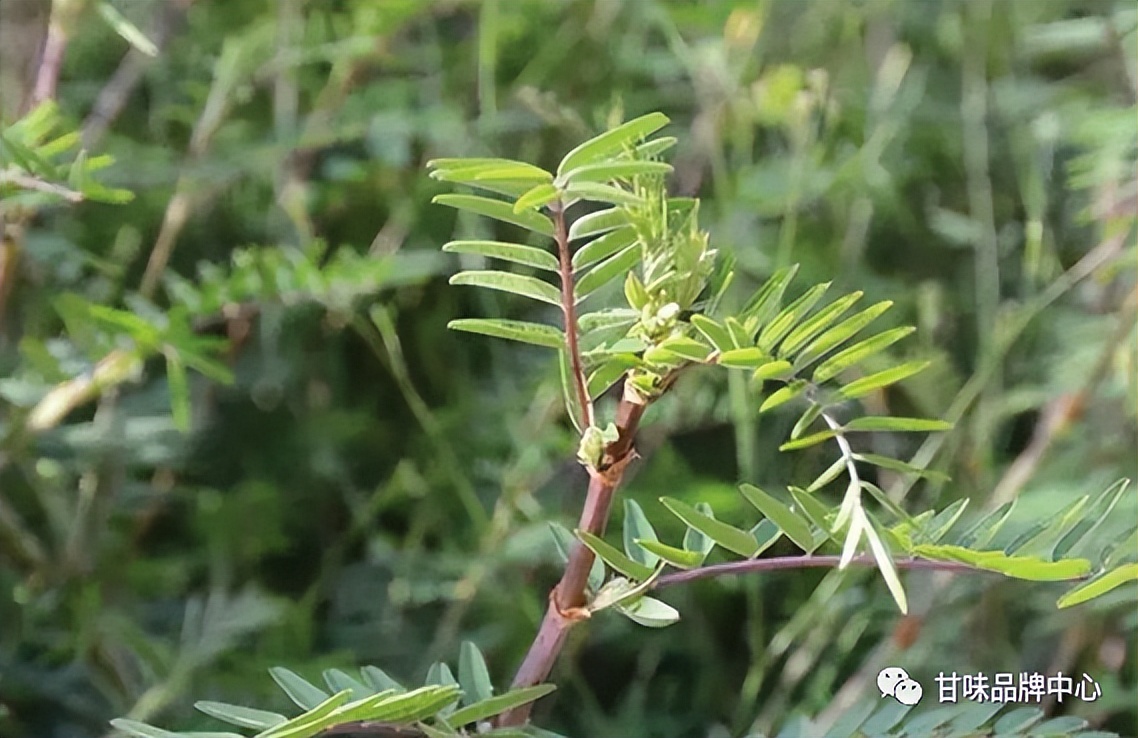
<point>512,252</point>
<point>513,330</point>
<point>1100,585</point>
<point>650,612</point>
<point>473,675</point>
<point>614,558</point>
<point>858,352</point>
<point>727,536</point>
<point>301,691</point>
<point>498,210</point>
<point>865,385</point>
<point>491,706</point>
<point>794,526</point>
<point>517,284</point>
<point>612,141</point>
<point>637,528</point>
<point>244,717</point>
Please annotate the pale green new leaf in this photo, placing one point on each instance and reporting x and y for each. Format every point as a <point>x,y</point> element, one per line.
<point>715,333</point>
<point>597,192</point>
<point>858,352</point>
<point>655,147</point>
<point>637,528</point>
<point>885,563</point>
<point>772,370</point>
<point>682,347</point>
<point>244,717</point>
<point>614,558</point>
<point>1019,567</point>
<point>727,536</point>
<point>512,252</point>
<point>807,441</point>
<point>517,284</point>
<point>491,706</point>
<point>599,222</point>
<point>794,526</point>
<point>612,141</point>
<point>513,330</point>
<point>418,704</point>
<point>498,210</point>
<point>887,423</point>
<point>603,247</point>
<point>744,358</point>
<point>308,723</point>
<point>840,333</point>
<point>791,316</point>
<point>1100,585</point>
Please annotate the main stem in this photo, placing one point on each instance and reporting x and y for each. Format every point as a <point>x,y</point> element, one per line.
<point>567,600</point>
<point>569,310</point>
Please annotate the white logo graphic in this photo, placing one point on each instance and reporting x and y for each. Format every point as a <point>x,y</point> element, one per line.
<point>895,682</point>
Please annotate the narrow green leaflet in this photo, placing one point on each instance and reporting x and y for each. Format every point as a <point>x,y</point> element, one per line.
<point>1082,536</point>
<point>417,704</point>
<point>606,272</point>
<point>305,694</point>
<point>765,303</point>
<point>614,558</point>
<point>766,533</point>
<point>1100,585</point>
<point>795,527</point>
<point>1018,567</point>
<point>696,541</point>
<point>513,330</point>
<point>715,333</point>
<point>473,676</point>
<point>677,557</point>
<point>900,466</point>
<point>885,563</point>
<point>612,141</point>
<point>791,316</point>
<point>310,722</point>
<point>939,526</point>
<point>886,423</point>
<point>681,347</point>
<point>744,358</point>
<point>1042,537</point>
<point>650,612</point>
<point>784,395</point>
<point>540,196</point>
<point>655,147</point>
<point>727,536</point>
<point>817,323</point>
<point>378,679</point>
<point>603,247</point>
<point>865,385</point>
<point>338,680</point>
<point>597,192</point>
<point>498,210</point>
<point>812,508</point>
<point>517,284</point>
<point>609,373</point>
<point>492,706</point>
<point>606,171</point>
<point>512,252</point>
<point>840,333</point>
<point>859,351</point>
<point>637,528</point>
<point>599,222</point>
<point>244,717</point>
<point>142,730</point>
<point>986,527</point>
<point>772,370</point>
<point>179,386</point>
<point>811,440</point>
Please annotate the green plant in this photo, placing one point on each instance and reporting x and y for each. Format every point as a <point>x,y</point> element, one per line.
<point>671,322</point>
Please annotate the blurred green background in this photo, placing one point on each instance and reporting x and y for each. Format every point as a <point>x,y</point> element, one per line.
<point>373,488</point>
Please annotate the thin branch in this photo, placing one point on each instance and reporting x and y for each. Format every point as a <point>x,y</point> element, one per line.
<point>808,562</point>
<point>567,600</point>
<point>569,310</point>
<point>23,181</point>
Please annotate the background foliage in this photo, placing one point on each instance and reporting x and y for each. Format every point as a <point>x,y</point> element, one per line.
<point>372,488</point>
